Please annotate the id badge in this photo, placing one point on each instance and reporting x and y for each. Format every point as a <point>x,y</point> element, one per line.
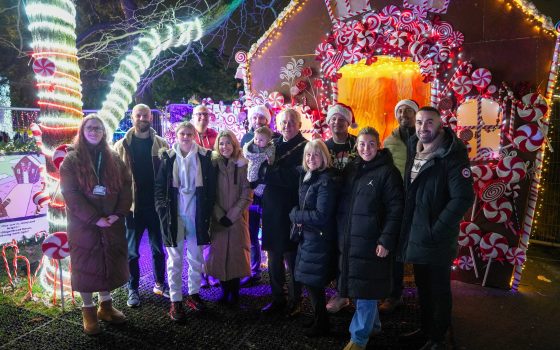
<point>99,190</point>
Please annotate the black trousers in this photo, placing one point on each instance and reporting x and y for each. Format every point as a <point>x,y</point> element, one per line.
<point>398,275</point>
<point>434,294</point>
<point>277,272</point>
<point>318,302</point>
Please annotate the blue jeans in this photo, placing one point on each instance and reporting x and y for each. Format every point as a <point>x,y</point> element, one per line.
<point>135,226</point>
<point>365,320</point>
<point>254,227</point>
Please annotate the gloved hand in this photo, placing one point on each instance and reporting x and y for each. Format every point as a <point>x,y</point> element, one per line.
<point>225,221</point>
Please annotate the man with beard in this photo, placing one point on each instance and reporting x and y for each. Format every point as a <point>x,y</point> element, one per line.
<point>405,111</point>
<point>139,149</point>
<point>439,190</point>
<point>258,116</point>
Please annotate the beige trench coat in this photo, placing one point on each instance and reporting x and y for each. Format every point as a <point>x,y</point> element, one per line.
<point>230,247</point>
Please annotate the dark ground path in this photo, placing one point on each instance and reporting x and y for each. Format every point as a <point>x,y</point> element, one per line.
<point>484,318</point>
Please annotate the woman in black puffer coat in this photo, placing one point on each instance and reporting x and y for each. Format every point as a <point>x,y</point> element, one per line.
<point>314,221</point>
<point>368,220</point>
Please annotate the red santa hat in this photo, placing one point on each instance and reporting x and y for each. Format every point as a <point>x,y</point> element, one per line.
<point>343,110</point>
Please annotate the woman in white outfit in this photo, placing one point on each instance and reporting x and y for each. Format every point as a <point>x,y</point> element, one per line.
<point>184,196</point>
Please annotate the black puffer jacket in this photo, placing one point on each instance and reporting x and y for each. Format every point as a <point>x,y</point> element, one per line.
<point>281,194</point>
<point>316,258</point>
<point>166,198</point>
<point>369,214</point>
<point>435,203</point>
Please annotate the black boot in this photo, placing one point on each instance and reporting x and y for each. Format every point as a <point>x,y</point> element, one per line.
<point>225,292</point>
<point>234,285</point>
<point>320,327</point>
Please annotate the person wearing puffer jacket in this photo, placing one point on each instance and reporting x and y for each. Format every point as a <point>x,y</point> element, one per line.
<point>405,112</point>
<point>369,221</point>
<point>184,199</point>
<point>315,227</point>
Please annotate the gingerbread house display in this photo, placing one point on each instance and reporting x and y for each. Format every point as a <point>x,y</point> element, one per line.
<point>489,66</point>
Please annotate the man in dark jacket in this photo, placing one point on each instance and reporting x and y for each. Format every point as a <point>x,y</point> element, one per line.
<point>439,190</point>
<point>279,197</point>
<point>258,116</point>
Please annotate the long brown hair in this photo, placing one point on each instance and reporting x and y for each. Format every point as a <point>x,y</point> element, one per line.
<point>233,139</point>
<point>110,173</point>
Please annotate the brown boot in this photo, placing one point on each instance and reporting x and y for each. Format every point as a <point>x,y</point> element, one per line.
<point>353,346</point>
<point>89,316</point>
<point>109,314</point>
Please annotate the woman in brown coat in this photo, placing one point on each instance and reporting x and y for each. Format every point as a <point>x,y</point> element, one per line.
<point>97,189</point>
<point>230,247</point>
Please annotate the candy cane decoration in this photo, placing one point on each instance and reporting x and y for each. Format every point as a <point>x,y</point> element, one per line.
<point>534,189</point>
<point>458,72</point>
<point>348,7</point>
<point>330,11</point>
<point>434,97</point>
<point>479,123</point>
<point>334,87</point>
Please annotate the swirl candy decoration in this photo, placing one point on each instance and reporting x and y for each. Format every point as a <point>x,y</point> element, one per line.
<point>466,263</point>
<point>276,99</point>
<point>492,246</point>
<point>444,30</point>
<point>44,67</point>
<point>492,190</point>
<point>516,256</point>
<point>469,236</point>
<point>456,39</point>
<point>373,21</point>
<point>481,78</point>
<point>462,85</point>
<point>390,15</point>
<point>364,39</point>
<point>352,54</point>
<point>528,138</point>
<point>241,57</point>
<point>498,211</point>
<point>55,246</point>
<point>511,169</point>
<point>534,107</point>
<point>398,39</point>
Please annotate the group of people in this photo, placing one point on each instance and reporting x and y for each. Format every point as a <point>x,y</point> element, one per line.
<point>345,210</point>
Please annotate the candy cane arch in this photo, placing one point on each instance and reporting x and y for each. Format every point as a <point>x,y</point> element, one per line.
<point>534,189</point>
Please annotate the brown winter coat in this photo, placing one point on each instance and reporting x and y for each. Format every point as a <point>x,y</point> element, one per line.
<point>99,255</point>
<point>230,247</point>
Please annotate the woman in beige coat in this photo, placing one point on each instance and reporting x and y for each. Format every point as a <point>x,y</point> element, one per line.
<point>230,246</point>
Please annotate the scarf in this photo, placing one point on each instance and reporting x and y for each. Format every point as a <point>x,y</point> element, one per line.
<point>424,154</point>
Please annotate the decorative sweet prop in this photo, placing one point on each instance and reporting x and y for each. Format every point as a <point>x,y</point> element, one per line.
<point>534,107</point>
<point>516,256</point>
<point>467,263</point>
<point>55,246</point>
<point>44,67</point>
<point>469,236</point>
<point>528,138</point>
<point>492,246</point>
<point>462,85</point>
<point>498,211</point>
<point>37,134</point>
<point>16,257</point>
<point>492,190</point>
<point>241,56</point>
<point>511,169</point>
<point>41,198</point>
<point>59,154</point>
<point>481,78</point>
<point>482,172</point>
<point>276,99</point>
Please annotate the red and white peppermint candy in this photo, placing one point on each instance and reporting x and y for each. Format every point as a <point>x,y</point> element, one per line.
<point>427,70</point>
<point>469,234</point>
<point>344,35</point>
<point>498,211</point>
<point>528,138</point>
<point>450,120</point>
<point>422,27</point>
<point>492,190</point>
<point>418,50</point>
<point>390,15</point>
<point>465,262</point>
<point>438,53</point>
<point>324,50</point>
<point>241,56</point>
<point>462,85</point>
<point>511,169</point>
<point>482,172</point>
<point>55,246</point>
<point>456,39</point>
<point>398,39</point>
<point>59,153</point>
<point>276,99</point>
<point>44,67</point>
<point>41,198</point>
<point>444,30</point>
<point>406,21</point>
<point>365,39</point>
<point>516,256</point>
<point>481,78</point>
<point>352,54</point>
<point>357,27</point>
<point>493,245</point>
<point>236,105</point>
<point>373,21</point>
<point>534,108</point>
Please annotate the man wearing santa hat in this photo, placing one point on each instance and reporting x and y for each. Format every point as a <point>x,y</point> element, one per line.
<point>258,115</point>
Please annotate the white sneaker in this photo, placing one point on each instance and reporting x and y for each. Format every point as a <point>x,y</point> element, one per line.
<point>337,303</point>
<point>161,289</point>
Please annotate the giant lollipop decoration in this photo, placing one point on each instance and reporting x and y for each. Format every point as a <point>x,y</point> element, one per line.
<point>55,246</point>
<point>469,236</point>
<point>492,246</point>
<point>528,138</point>
<point>498,211</point>
<point>511,169</point>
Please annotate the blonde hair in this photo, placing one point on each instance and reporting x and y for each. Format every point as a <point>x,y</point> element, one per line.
<point>184,125</point>
<point>264,130</point>
<point>234,142</point>
<point>317,145</point>
<point>139,107</point>
<point>368,130</point>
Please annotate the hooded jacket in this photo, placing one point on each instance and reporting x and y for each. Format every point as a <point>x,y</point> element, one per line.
<point>435,203</point>
<point>166,199</point>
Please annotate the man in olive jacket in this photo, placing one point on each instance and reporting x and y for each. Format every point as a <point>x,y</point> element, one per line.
<point>439,190</point>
